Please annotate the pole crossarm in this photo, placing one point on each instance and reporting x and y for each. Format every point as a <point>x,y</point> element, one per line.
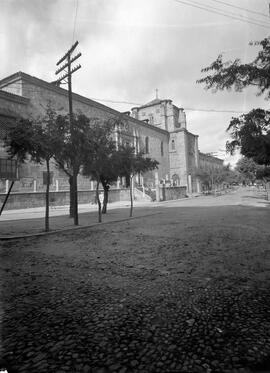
<point>68,74</point>
<point>68,53</point>
<point>66,64</point>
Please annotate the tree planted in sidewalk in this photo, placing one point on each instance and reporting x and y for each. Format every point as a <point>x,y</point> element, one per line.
<point>73,136</point>
<point>34,139</point>
<point>129,163</point>
<point>99,161</point>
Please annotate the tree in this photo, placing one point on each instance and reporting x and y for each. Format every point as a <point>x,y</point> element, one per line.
<point>73,145</point>
<point>250,132</point>
<point>34,139</point>
<point>99,161</point>
<point>247,169</point>
<point>131,163</point>
<point>237,75</point>
<point>213,176</point>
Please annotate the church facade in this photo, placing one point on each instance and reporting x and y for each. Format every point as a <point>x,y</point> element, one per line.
<point>158,128</point>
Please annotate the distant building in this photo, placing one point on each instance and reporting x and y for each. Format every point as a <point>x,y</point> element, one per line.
<point>159,128</point>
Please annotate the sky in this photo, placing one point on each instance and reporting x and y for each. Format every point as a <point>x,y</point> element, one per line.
<point>130,48</point>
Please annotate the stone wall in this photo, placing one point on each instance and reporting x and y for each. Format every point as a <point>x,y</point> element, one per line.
<point>31,200</point>
<point>171,193</point>
<point>40,94</point>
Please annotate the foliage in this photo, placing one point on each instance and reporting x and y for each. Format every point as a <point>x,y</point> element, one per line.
<point>98,162</point>
<point>263,173</point>
<point>73,139</point>
<point>251,134</point>
<point>34,139</point>
<point>129,163</point>
<point>213,176</point>
<point>238,75</point>
<point>247,169</point>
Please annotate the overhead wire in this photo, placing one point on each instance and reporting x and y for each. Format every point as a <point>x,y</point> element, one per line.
<point>232,111</point>
<point>239,7</point>
<point>75,19</point>
<point>214,10</point>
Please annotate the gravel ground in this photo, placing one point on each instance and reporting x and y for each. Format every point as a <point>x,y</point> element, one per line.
<point>184,290</point>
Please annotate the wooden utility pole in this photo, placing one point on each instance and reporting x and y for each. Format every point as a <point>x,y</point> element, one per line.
<point>67,74</point>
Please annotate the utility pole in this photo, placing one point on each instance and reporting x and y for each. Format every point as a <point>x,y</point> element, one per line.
<point>68,59</point>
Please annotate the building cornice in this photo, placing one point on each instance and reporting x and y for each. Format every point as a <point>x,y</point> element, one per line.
<point>52,87</point>
<point>12,97</point>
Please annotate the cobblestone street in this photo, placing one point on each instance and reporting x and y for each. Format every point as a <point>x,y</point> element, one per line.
<point>183,290</point>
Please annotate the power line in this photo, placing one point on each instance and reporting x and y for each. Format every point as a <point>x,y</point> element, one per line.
<point>238,7</point>
<point>233,14</point>
<point>210,9</point>
<point>185,108</point>
<point>75,20</point>
<point>215,111</point>
<point>232,111</point>
<point>220,11</point>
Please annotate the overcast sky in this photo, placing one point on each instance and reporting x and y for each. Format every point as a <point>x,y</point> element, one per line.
<point>131,47</point>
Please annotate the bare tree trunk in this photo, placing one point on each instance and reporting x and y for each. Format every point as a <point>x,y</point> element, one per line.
<point>131,195</point>
<point>106,197</point>
<point>71,197</point>
<point>75,200</point>
<point>47,198</point>
<point>98,202</point>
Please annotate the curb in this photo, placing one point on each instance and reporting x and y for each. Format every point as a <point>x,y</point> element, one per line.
<point>41,234</point>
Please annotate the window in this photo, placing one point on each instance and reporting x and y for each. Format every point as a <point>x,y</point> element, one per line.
<point>151,119</point>
<point>8,169</point>
<point>45,177</point>
<point>147,145</point>
<point>161,149</point>
<point>173,145</point>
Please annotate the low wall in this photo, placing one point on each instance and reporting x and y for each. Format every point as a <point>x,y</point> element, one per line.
<point>37,199</point>
<point>170,193</point>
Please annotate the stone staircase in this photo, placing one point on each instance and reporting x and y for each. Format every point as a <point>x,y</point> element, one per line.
<point>140,196</point>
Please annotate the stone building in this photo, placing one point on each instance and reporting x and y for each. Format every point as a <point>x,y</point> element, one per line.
<point>159,128</point>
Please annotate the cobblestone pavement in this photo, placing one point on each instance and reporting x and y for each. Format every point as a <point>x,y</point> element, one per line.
<point>186,290</point>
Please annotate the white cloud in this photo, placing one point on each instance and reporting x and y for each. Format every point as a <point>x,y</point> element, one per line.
<point>130,47</point>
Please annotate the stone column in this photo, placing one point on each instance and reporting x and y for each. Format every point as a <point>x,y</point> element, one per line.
<point>92,185</point>
<point>7,186</point>
<point>189,184</point>
<point>198,186</point>
<point>35,185</point>
<point>57,185</point>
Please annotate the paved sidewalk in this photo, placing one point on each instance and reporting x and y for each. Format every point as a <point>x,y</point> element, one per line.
<point>31,221</point>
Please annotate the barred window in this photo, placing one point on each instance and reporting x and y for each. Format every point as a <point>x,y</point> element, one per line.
<point>8,169</point>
